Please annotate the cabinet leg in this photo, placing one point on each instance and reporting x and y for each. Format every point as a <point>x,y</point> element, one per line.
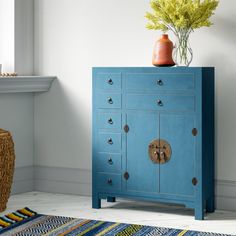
<point>111,199</point>
<point>210,205</point>
<point>199,213</point>
<point>96,202</point>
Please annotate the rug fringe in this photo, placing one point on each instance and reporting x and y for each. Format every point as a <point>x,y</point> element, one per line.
<point>15,217</point>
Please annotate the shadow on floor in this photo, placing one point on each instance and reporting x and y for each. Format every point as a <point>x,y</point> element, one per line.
<point>169,209</point>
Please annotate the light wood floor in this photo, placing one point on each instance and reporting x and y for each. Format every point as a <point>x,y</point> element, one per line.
<point>123,211</point>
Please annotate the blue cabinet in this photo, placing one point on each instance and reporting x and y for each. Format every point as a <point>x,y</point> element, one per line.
<point>153,135</point>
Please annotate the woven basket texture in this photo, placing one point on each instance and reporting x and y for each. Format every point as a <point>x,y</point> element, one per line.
<point>7,164</point>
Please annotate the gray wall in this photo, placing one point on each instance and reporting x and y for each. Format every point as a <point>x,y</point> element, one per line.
<point>7,29</point>
<point>17,110</point>
<point>72,36</point>
<point>17,116</point>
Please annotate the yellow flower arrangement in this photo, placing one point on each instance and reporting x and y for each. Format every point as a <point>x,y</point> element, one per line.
<point>181,17</point>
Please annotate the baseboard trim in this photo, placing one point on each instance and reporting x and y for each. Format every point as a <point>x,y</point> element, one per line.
<point>79,181</point>
<point>23,180</point>
<point>226,195</point>
<point>63,180</point>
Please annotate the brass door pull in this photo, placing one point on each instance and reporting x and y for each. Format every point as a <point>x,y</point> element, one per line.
<point>159,151</point>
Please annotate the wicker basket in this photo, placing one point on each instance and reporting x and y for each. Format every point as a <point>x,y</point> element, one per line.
<point>7,163</point>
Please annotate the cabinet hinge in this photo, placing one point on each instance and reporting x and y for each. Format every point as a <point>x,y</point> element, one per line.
<point>126,175</point>
<point>194,132</point>
<point>126,128</point>
<point>194,181</point>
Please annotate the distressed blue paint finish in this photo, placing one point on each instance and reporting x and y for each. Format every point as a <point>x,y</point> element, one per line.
<point>108,81</point>
<point>109,120</point>
<point>160,102</point>
<point>108,162</point>
<point>176,176</point>
<point>159,81</point>
<point>187,102</point>
<point>144,174</point>
<point>109,182</point>
<point>109,142</point>
<point>108,100</point>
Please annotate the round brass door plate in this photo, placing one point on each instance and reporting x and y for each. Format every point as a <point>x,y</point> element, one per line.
<point>159,151</point>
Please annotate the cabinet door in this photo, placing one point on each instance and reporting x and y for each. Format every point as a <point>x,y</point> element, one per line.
<point>176,175</point>
<point>143,173</point>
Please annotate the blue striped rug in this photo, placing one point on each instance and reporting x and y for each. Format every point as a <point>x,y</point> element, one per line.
<point>26,222</point>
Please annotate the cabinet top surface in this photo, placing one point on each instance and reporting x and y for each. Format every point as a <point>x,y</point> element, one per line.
<point>156,69</point>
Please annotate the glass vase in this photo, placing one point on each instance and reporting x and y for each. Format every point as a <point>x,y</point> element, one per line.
<point>182,53</point>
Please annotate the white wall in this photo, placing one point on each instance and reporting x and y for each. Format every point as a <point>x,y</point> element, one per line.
<point>24,37</point>
<point>7,34</point>
<point>72,36</point>
<point>17,110</point>
<point>69,39</point>
<point>16,41</point>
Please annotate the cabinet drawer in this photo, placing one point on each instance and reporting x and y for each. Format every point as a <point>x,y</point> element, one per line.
<point>109,120</point>
<point>158,81</point>
<point>108,162</point>
<point>109,142</point>
<point>160,102</point>
<point>109,181</point>
<point>105,100</point>
<point>108,81</point>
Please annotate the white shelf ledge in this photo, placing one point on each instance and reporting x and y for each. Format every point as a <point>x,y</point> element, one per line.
<point>25,84</point>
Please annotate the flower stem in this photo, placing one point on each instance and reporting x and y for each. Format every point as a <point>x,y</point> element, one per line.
<point>183,52</point>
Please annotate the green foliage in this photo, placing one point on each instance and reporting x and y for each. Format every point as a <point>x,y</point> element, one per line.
<point>179,15</point>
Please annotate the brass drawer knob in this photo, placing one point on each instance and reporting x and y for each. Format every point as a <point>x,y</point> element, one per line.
<point>160,82</point>
<point>159,103</point>
<point>109,100</point>
<point>110,82</point>
<point>109,181</point>
<point>109,141</point>
<point>110,121</point>
<point>110,161</point>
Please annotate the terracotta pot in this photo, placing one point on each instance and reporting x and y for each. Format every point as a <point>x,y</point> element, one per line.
<point>162,52</point>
